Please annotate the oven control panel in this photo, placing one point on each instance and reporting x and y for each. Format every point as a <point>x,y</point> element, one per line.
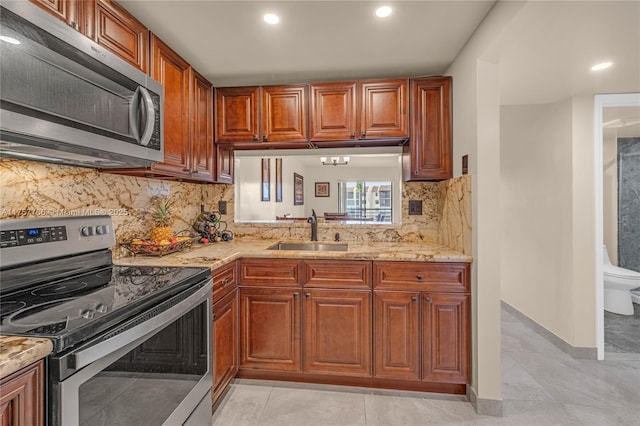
<point>30,240</point>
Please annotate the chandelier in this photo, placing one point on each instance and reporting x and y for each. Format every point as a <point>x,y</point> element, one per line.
<point>335,161</point>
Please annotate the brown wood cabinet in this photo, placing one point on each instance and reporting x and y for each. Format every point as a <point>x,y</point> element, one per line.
<point>225,342</point>
<point>270,329</point>
<point>428,156</point>
<point>246,115</point>
<point>337,331</point>
<point>22,397</point>
<point>201,161</point>
<point>224,163</point>
<point>422,324</point>
<point>115,29</point>
<point>369,109</point>
<point>71,12</point>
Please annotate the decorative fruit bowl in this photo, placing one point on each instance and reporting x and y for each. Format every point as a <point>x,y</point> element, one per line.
<point>158,248</point>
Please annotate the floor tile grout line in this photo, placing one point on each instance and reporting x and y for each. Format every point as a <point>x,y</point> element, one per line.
<point>266,402</point>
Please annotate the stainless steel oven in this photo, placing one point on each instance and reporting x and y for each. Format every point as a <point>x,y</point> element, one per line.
<point>131,344</point>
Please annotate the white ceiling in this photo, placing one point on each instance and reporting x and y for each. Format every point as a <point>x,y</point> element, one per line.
<point>544,52</point>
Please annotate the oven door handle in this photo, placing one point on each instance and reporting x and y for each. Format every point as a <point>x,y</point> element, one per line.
<point>150,326</point>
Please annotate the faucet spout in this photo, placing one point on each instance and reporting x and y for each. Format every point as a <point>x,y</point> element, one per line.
<point>313,220</point>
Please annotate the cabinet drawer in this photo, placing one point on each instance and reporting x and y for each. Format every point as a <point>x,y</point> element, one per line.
<point>276,272</point>
<point>337,274</point>
<point>445,277</point>
<point>224,280</point>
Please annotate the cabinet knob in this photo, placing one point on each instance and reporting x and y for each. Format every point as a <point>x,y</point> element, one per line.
<point>420,277</point>
<point>353,134</point>
<point>428,299</point>
<point>307,295</point>
<point>255,137</point>
<point>296,295</point>
<point>363,134</point>
<point>414,299</point>
<point>265,138</point>
<point>213,317</point>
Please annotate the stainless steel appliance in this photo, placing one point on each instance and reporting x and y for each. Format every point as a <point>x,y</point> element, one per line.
<point>65,99</point>
<point>132,345</point>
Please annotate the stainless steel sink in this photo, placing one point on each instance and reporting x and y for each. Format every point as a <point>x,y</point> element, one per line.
<point>309,246</point>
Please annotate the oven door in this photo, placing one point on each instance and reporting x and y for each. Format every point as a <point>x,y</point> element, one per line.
<point>155,373</point>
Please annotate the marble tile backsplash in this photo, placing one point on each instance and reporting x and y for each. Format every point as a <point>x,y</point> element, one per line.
<point>31,189</point>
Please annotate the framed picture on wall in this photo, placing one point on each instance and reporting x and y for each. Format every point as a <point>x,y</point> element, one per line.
<point>266,165</point>
<point>298,190</point>
<point>278,180</point>
<point>322,189</point>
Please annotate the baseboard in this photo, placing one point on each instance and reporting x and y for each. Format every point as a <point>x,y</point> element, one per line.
<point>483,406</point>
<point>577,352</point>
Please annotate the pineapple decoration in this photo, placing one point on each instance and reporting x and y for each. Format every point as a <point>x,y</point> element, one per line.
<point>162,233</point>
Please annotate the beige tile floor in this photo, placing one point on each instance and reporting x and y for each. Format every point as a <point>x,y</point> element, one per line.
<point>541,386</point>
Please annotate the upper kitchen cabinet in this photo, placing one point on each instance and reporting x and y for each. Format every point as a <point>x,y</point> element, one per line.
<point>284,114</point>
<point>384,109</point>
<point>428,156</point>
<point>365,110</point>
<point>71,12</point>
<point>106,23</point>
<point>224,163</point>
<point>202,157</point>
<point>121,33</point>
<point>261,114</point>
<point>237,114</point>
<point>333,111</point>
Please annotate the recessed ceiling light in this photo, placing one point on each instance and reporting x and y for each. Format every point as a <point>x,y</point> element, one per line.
<point>383,11</point>
<point>10,40</point>
<point>601,66</point>
<point>271,18</point>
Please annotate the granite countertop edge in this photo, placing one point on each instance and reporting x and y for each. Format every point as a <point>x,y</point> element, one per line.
<point>19,352</point>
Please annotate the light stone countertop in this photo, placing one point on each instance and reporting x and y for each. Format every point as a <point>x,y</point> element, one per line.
<point>215,255</point>
<point>19,352</point>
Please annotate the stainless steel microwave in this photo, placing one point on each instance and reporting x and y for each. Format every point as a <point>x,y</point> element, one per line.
<point>65,99</point>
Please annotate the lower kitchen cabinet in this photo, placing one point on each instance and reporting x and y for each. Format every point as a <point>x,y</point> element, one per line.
<point>22,397</point>
<point>337,332</point>
<point>270,329</point>
<point>446,325</point>
<point>225,342</point>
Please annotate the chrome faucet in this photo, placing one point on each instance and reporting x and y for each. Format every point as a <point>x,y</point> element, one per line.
<point>313,220</point>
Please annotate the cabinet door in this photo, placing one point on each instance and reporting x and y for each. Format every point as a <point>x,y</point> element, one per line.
<point>225,343</point>
<point>333,111</point>
<point>431,144</point>
<point>22,397</point>
<point>384,108</point>
<point>446,337</point>
<point>224,163</point>
<point>68,11</point>
<point>397,335</point>
<point>121,33</point>
<point>173,73</point>
<point>237,110</point>
<point>202,149</point>
<point>270,329</point>
<point>337,337</point>
<point>284,114</point>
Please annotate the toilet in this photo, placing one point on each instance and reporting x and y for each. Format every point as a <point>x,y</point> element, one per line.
<point>618,283</point>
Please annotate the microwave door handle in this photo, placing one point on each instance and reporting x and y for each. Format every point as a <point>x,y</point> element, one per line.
<point>150,116</point>
<point>133,114</point>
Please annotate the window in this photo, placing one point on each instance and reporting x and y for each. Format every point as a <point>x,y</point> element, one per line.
<point>363,200</point>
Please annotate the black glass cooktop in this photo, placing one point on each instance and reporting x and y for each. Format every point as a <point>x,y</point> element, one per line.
<point>72,309</point>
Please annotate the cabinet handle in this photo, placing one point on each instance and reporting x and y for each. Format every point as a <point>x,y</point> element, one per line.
<point>255,137</point>
<point>420,277</point>
<point>428,299</point>
<point>414,299</point>
<point>353,135</point>
<point>307,295</point>
<point>296,295</point>
<point>213,317</point>
<point>363,134</point>
<point>265,137</point>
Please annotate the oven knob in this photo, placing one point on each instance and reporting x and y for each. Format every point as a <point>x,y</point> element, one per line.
<point>101,308</point>
<point>87,314</point>
<point>102,229</point>
<point>87,231</point>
